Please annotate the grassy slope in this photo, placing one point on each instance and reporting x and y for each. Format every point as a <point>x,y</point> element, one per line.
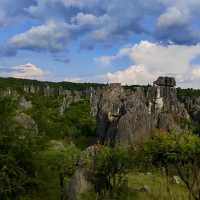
<point>157,185</point>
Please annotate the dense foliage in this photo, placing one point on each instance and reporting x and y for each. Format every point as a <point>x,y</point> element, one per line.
<point>33,161</point>
<point>20,83</point>
<point>108,170</point>
<point>41,153</point>
<point>177,154</point>
<point>17,149</point>
<point>190,92</point>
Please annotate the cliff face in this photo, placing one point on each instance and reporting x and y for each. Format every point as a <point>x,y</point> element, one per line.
<point>125,116</point>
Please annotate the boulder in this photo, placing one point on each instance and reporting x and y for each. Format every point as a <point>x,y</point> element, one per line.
<point>165,81</point>
<point>26,122</point>
<point>126,116</point>
<point>24,104</point>
<point>80,182</point>
<point>77,185</point>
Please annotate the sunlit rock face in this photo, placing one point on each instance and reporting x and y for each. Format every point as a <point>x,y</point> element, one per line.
<point>126,116</point>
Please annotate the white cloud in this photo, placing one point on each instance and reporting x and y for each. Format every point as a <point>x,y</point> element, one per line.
<point>171,59</point>
<point>196,72</point>
<point>105,60</point>
<point>131,75</point>
<point>83,19</point>
<point>73,79</point>
<point>151,60</point>
<point>26,71</point>
<point>172,16</point>
<point>51,36</point>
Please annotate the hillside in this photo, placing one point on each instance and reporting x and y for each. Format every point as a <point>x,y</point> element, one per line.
<point>83,140</point>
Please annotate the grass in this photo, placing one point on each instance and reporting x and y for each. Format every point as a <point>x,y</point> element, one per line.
<point>141,186</point>
<point>154,186</point>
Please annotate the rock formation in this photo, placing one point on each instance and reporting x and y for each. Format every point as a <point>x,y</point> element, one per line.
<point>80,182</point>
<point>125,116</point>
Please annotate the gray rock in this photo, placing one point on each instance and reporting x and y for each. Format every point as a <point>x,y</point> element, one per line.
<point>24,104</point>
<point>177,180</point>
<point>165,81</point>
<point>81,181</point>
<point>77,185</point>
<point>125,116</point>
<point>145,188</point>
<point>57,145</point>
<point>26,122</point>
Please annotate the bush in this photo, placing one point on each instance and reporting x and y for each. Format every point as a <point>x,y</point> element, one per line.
<point>108,169</point>
<point>178,154</point>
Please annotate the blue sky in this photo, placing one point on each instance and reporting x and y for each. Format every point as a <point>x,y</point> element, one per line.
<point>127,41</point>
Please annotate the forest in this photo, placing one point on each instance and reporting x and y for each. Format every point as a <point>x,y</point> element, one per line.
<point>38,160</point>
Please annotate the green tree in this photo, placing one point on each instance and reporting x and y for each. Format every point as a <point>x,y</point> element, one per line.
<point>62,163</point>
<point>108,168</point>
<point>17,148</point>
<point>178,154</point>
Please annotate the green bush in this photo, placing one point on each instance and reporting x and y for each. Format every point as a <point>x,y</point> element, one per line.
<point>177,154</point>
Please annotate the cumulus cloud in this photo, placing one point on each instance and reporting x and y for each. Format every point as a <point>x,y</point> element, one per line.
<point>180,15</point>
<point>95,21</point>
<point>135,74</point>
<point>13,11</point>
<point>73,79</point>
<point>105,60</point>
<point>151,60</point>
<point>118,20</point>
<point>104,22</point>
<point>26,71</point>
<point>51,36</point>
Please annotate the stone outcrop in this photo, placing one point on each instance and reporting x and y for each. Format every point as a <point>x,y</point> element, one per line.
<point>8,92</point>
<point>24,104</point>
<point>77,185</point>
<point>26,122</point>
<point>165,81</point>
<point>66,97</point>
<point>126,116</point>
<point>80,182</point>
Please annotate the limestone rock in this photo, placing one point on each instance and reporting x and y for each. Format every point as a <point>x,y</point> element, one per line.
<point>81,181</point>
<point>145,189</point>
<point>126,116</point>
<point>165,81</point>
<point>177,180</point>
<point>24,104</point>
<point>122,115</point>
<point>77,185</point>
<point>57,145</point>
<point>166,122</point>
<point>26,122</point>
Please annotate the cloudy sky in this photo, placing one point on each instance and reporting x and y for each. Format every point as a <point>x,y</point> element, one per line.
<point>127,41</point>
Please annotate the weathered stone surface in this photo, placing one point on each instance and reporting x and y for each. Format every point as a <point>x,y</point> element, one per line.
<point>166,122</point>
<point>122,115</point>
<point>24,104</point>
<point>8,92</point>
<point>125,116</point>
<point>78,185</point>
<point>192,104</point>
<point>26,122</point>
<point>165,81</point>
<point>80,182</point>
<point>57,145</point>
